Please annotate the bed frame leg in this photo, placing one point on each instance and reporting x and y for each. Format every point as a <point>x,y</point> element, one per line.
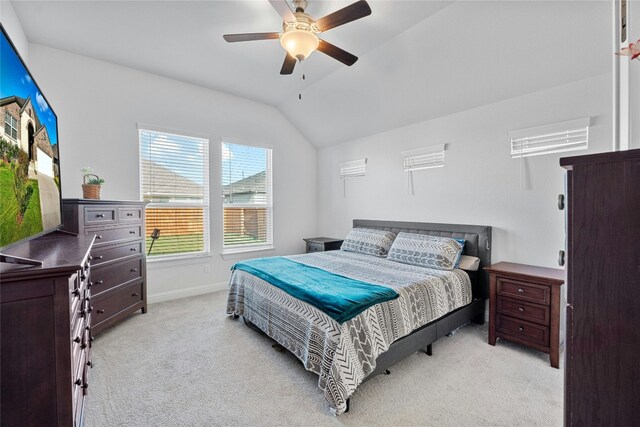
<point>430,350</point>
<point>479,319</point>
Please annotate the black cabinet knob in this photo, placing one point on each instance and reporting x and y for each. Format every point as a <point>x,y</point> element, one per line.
<point>78,381</point>
<point>521,328</point>
<point>132,232</point>
<point>135,294</point>
<point>76,339</point>
<point>134,270</point>
<point>100,311</point>
<point>561,258</point>
<point>76,292</point>
<point>84,345</point>
<point>90,364</point>
<point>99,236</point>
<point>99,257</point>
<point>99,282</point>
<point>129,214</point>
<point>561,201</point>
<point>100,216</point>
<point>133,250</point>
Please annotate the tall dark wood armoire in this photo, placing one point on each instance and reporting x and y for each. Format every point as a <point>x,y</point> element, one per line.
<point>602,382</point>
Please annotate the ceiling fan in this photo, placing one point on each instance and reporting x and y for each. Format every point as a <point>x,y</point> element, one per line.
<point>299,35</point>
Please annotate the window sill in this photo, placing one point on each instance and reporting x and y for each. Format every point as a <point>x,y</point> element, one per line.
<point>238,252</point>
<point>173,259</point>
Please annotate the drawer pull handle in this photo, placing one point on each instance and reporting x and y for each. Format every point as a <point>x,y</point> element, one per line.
<point>133,250</point>
<point>100,216</point>
<point>561,258</point>
<point>90,364</point>
<point>76,339</point>
<point>135,294</point>
<point>99,236</point>
<point>129,214</point>
<point>520,309</point>
<point>521,328</point>
<point>86,385</point>
<point>90,309</point>
<point>78,381</point>
<point>83,313</point>
<point>132,232</point>
<point>90,258</point>
<point>99,257</point>
<point>100,311</point>
<point>520,290</point>
<point>561,201</point>
<point>99,282</point>
<point>76,292</point>
<point>84,345</point>
<point>89,285</point>
<point>134,270</point>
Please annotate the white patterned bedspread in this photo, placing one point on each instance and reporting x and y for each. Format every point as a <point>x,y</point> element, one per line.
<point>344,354</point>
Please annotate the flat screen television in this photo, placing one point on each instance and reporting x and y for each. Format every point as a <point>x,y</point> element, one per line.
<point>30,199</point>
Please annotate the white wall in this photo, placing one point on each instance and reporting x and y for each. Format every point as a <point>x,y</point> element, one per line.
<point>480,183</point>
<point>12,25</point>
<point>98,106</point>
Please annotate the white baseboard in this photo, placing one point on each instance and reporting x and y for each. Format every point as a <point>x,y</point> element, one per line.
<point>185,292</point>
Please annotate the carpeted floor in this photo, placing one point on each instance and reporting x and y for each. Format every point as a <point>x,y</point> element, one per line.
<point>187,364</point>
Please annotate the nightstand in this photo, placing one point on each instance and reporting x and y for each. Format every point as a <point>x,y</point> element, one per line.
<point>524,306</point>
<point>321,244</point>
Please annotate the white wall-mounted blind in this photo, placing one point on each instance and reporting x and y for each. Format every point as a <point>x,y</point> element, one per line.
<point>353,168</point>
<point>423,158</point>
<point>247,197</point>
<point>554,138</point>
<point>174,179</point>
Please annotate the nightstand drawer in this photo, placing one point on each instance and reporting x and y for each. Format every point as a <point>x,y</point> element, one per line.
<point>315,247</point>
<point>101,215</point>
<point>522,329</point>
<point>524,291</point>
<point>522,310</point>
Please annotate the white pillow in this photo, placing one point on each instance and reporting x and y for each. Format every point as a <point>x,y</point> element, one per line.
<point>469,263</point>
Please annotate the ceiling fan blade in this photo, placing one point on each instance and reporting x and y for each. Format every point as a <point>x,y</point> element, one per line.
<point>288,65</point>
<point>283,9</point>
<point>337,53</point>
<point>232,38</point>
<point>350,13</point>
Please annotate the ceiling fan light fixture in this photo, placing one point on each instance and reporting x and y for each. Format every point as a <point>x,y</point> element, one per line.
<point>299,43</point>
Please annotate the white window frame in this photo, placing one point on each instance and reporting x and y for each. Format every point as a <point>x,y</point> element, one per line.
<point>206,202</point>
<point>12,126</point>
<point>252,247</point>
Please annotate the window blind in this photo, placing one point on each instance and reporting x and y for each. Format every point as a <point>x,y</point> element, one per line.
<point>247,197</point>
<point>554,138</point>
<point>423,158</point>
<point>353,168</point>
<point>174,179</point>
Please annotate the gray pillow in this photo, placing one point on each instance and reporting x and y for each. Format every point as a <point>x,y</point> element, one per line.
<point>423,250</point>
<point>368,241</point>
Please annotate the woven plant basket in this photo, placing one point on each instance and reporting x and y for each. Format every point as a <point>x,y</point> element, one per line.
<point>90,191</point>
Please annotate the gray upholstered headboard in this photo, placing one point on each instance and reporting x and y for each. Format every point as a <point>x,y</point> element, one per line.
<point>478,243</point>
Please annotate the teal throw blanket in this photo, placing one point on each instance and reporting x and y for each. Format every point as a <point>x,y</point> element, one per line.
<point>339,297</point>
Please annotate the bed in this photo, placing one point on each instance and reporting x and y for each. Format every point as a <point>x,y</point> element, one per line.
<point>430,304</point>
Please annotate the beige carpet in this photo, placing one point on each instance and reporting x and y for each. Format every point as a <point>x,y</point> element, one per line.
<point>187,364</point>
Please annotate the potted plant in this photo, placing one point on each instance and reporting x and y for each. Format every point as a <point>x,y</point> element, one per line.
<point>91,184</point>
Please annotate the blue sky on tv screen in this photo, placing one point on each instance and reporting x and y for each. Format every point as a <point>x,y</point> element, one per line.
<point>15,80</point>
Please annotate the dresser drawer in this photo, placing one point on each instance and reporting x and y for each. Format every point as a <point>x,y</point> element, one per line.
<point>522,329</point>
<point>103,254</point>
<point>109,276</point>
<point>129,214</point>
<point>115,234</point>
<point>523,310</point>
<point>524,291</point>
<point>115,302</point>
<point>100,215</point>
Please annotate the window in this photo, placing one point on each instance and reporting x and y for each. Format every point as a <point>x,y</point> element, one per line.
<point>247,200</point>
<point>423,158</point>
<point>174,179</point>
<point>10,125</point>
<point>554,138</point>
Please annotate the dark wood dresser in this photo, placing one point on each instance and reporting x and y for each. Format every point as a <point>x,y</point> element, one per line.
<point>46,332</point>
<point>602,377</point>
<point>118,257</point>
<point>525,306</point>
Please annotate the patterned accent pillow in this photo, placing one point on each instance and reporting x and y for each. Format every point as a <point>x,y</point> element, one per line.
<point>441,253</point>
<point>368,241</point>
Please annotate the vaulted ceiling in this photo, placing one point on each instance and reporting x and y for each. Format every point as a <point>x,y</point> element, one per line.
<point>418,59</point>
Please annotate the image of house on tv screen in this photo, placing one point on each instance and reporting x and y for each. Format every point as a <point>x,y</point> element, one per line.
<point>29,167</point>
